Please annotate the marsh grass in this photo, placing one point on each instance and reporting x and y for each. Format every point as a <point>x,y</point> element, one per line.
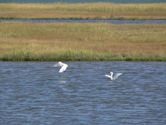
<point>84,11</point>
<point>88,42</point>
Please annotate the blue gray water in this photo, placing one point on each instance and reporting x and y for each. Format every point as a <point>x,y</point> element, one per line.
<point>82,1</point>
<point>33,93</point>
<point>85,21</point>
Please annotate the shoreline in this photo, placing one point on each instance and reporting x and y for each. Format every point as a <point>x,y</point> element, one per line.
<point>80,60</point>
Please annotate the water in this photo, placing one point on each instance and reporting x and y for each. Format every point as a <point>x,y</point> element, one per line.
<point>85,21</point>
<point>33,93</point>
<point>82,1</point>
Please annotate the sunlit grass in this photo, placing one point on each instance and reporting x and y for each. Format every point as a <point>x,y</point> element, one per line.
<point>68,41</point>
<point>84,11</point>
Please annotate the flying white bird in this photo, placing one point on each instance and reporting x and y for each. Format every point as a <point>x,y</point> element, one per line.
<point>62,65</point>
<point>113,77</point>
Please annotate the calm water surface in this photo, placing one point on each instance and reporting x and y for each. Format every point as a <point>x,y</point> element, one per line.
<point>85,21</point>
<point>33,93</point>
<point>82,1</point>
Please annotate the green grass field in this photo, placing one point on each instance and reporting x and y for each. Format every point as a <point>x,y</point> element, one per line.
<point>82,42</point>
<point>84,11</point>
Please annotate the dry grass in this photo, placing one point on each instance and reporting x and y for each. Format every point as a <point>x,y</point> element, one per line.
<point>84,11</point>
<point>63,41</point>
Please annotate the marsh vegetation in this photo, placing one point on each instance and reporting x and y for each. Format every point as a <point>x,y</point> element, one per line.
<point>68,41</point>
<point>84,11</point>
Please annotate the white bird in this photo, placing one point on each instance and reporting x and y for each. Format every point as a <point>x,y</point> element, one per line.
<point>113,77</point>
<point>62,65</point>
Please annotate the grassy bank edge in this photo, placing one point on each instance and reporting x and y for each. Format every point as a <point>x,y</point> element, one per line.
<point>76,56</point>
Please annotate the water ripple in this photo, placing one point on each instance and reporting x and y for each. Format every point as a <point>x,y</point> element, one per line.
<point>35,93</point>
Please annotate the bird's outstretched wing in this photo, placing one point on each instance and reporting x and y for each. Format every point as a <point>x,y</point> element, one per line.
<point>62,65</point>
<point>117,75</point>
<point>108,76</point>
<point>63,68</point>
